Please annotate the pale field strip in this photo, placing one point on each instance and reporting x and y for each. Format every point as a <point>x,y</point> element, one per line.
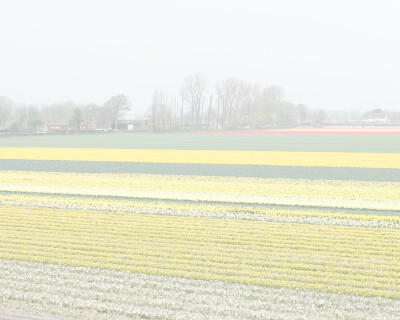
<point>202,210</point>
<point>281,158</point>
<point>208,197</point>
<point>87,293</point>
<point>361,261</point>
<point>374,129</point>
<point>10,313</point>
<point>294,192</point>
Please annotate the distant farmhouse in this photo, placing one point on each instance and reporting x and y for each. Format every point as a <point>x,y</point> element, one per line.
<point>134,125</point>
<point>60,127</point>
<point>376,116</point>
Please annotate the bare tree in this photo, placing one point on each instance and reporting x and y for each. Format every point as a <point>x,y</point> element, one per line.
<point>231,98</point>
<point>320,115</point>
<point>34,118</point>
<point>181,110</point>
<point>163,112</point>
<point>55,113</point>
<point>90,113</point>
<point>273,93</point>
<point>6,106</point>
<point>77,118</point>
<point>21,117</point>
<point>222,104</point>
<point>251,93</point>
<point>268,105</point>
<point>302,112</point>
<point>193,90</point>
<point>287,115</point>
<point>103,118</point>
<point>117,105</point>
<point>29,118</point>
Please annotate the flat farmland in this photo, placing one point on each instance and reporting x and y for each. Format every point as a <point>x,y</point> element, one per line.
<point>249,225</point>
<point>355,141</point>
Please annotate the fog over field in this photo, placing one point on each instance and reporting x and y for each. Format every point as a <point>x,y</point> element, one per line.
<point>199,160</point>
<point>329,55</point>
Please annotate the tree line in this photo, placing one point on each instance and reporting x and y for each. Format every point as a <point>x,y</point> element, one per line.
<point>22,118</point>
<point>229,104</point>
<point>225,105</point>
<point>236,104</point>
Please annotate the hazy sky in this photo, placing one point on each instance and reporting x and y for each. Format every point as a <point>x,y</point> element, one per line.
<point>329,54</point>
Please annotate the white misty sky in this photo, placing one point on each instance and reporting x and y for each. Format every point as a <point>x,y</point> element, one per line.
<point>330,54</point>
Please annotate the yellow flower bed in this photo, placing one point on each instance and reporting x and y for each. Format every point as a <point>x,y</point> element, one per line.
<point>350,260</point>
<point>278,158</point>
<point>324,193</point>
<point>223,211</point>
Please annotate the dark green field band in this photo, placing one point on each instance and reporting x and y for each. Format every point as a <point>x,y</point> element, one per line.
<point>292,172</point>
<point>262,142</point>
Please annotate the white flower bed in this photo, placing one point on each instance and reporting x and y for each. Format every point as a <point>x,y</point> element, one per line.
<point>86,293</point>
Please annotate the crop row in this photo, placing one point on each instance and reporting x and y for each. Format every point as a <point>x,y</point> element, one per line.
<point>216,211</point>
<point>79,292</point>
<point>113,220</point>
<point>277,158</point>
<point>229,185</point>
<point>256,171</point>
<point>350,260</point>
<point>322,193</point>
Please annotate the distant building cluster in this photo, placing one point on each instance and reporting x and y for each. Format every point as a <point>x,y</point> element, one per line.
<point>69,117</point>
<point>376,116</point>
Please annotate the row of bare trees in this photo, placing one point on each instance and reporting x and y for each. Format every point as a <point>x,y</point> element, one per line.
<point>231,104</point>
<point>228,104</point>
<point>30,118</point>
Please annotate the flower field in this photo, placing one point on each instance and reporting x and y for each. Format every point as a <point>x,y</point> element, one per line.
<point>268,158</point>
<point>153,232</point>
